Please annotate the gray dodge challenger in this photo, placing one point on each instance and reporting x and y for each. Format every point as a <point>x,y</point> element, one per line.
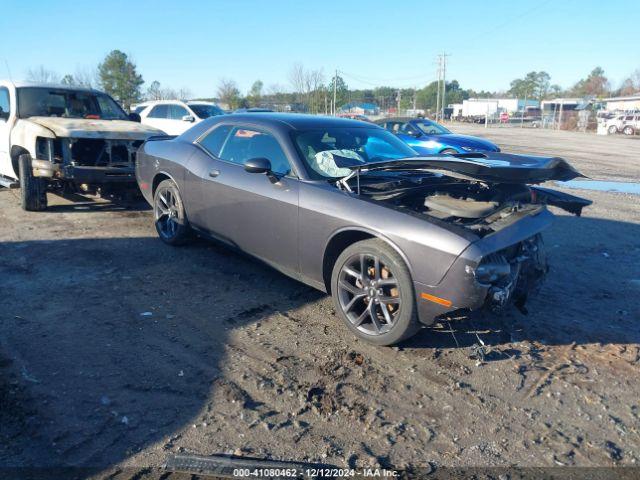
<point>398,240</point>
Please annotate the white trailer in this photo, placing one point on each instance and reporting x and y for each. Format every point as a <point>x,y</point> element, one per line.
<point>476,107</point>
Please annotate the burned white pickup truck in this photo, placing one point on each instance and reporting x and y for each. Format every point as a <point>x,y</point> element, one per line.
<point>66,138</point>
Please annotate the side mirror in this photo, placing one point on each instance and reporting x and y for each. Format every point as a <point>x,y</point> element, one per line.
<point>258,165</point>
<point>134,117</point>
<point>414,133</point>
<point>188,118</point>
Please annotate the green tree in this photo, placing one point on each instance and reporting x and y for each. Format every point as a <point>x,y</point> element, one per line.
<point>255,94</point>
<point>426,98</point>
<point>596,84</point>
<point>342,91</point>
<point>533,85</point>
<point>385,97</point>
<point>118,77</point>
<point>455,94</point>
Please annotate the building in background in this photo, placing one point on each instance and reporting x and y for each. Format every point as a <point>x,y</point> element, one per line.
<point>628,103</point>
<point>360,108</point>
<point>478,107</point>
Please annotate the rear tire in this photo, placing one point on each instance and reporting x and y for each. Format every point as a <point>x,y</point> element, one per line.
<point>612,130</point>
<point>373,293</point>
<point>169,214</point>
<point>628,130</point>
<point>33,190</point>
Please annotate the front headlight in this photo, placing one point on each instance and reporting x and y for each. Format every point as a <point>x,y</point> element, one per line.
<point>492,268</point>
<point>44,148</point>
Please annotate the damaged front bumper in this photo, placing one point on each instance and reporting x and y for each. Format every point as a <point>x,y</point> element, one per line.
<point>83,174</point>
<point>86,160</point>
<point>495,272</point>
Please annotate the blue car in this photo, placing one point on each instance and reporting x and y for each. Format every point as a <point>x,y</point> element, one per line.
<point>427,137</point>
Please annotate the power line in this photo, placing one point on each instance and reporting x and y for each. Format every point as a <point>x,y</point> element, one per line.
<point>378,83</point>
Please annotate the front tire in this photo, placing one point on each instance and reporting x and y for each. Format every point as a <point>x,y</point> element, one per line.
<point>169,214</point>
<point>373,293</point>
<point>33,190</point>
<point>612,130</point>
<point>628,130</point>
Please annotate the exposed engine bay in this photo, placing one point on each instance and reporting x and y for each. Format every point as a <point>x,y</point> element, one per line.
<point>478,206</point>
<point>481,198</point>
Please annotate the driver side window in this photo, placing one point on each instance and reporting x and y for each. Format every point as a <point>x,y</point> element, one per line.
<point>176,112</point>
<point>5,105</point>
<point>246,143</point>
<point>407,128</point>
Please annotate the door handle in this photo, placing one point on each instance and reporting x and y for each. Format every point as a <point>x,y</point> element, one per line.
<point>214,173</point>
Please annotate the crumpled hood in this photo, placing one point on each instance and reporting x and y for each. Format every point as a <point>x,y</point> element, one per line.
<point>467,141</point>
<point>86,128</point>
<point>490,167</point>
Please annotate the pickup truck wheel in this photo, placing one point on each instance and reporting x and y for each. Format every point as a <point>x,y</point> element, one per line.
<point>628,130</point>
<point>169,214</point>
<point>373,293</point>
<point>33,190</point>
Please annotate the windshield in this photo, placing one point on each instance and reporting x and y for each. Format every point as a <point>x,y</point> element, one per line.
<point>431,128</point>
<point>54,102</point>
<point>319,147</point>
<point>202,110</point>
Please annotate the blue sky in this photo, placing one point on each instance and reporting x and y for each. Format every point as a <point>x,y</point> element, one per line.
<point>195,43</point>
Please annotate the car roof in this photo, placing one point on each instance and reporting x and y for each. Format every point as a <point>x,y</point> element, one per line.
<point>159,102</point>
<point>401,119</point>
<point>296,121</point>
<point>60,86</point>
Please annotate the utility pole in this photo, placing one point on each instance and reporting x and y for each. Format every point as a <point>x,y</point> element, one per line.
<point>438,87</point>
<point>444,83</point>
<point>524,107</point>
<point>398,99</point>
<point>560,115</point>
<point>335,90</point>
<point>486,116</point>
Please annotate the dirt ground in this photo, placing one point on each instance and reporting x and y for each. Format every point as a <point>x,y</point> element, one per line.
<point>118,351</point>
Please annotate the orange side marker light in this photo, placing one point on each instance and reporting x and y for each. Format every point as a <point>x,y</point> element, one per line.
<point>434,299</point>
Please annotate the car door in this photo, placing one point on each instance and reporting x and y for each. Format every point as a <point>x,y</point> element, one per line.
<point>178,116</point>
<point>6,122</point>
<point>251,211</point>
<point>158,117</point>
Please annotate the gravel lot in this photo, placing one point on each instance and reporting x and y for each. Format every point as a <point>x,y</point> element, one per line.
<point>117,351</point>
<point>601,157</point>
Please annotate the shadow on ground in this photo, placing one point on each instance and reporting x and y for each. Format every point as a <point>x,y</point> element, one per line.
<point>90,203</point>
<point>111,345</point>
